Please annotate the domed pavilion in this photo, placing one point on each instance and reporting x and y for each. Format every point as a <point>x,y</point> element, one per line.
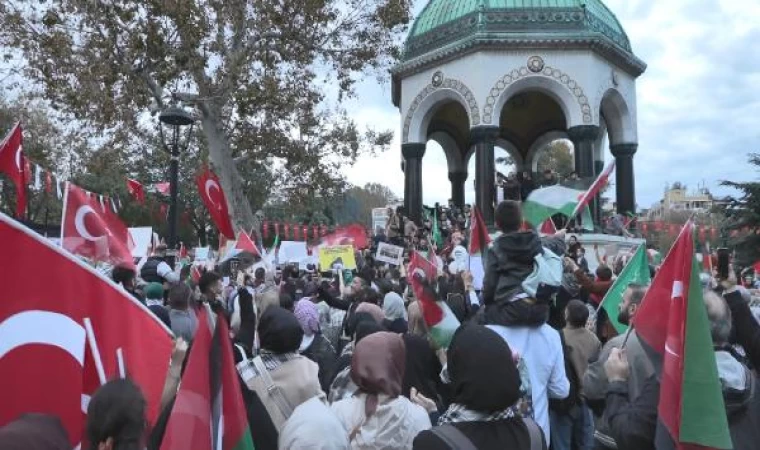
<point>517,74</point>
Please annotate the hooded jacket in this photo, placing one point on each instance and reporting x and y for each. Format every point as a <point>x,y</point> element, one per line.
<point>508,263</point>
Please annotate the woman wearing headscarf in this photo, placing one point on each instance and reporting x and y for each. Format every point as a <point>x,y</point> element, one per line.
<point>486,384</point>
<point>343,386</point>
<point>314,345</point>
<point>280,377</point>
<point>378,416</point>
<point>395,313</point>
<point>313,427</point>
<point>372,309</point>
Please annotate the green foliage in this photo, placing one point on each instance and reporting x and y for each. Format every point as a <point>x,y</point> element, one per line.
<point>557,157</point>
<point>258,73</point>
<point>743,217</point>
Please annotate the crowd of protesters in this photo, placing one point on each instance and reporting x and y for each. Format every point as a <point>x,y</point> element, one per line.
<point>349,354</point>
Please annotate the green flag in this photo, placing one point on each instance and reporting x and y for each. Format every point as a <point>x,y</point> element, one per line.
<point>437,231</point>
<point>636,271</point>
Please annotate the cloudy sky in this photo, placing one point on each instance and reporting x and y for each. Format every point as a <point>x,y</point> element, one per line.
<point>698,101</point>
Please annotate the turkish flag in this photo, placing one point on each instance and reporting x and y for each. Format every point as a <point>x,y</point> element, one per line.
<point>265,229</point>
<point>215,201</point>
<point>67,329</point>
<point>305,231</point>
<point>296,232</point>
<point>286,232</point>
<point>245,243</point>
<point>314,231</point>
<point>136,190</point>
<point>323,230</point>
<point>91,230</point>
<point>355,235</point>
<point>13,164</point>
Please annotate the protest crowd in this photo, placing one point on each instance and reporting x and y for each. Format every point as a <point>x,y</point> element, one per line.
<point>433,352</point>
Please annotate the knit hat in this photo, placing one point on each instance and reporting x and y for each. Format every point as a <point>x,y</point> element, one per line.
<point>154,291</point>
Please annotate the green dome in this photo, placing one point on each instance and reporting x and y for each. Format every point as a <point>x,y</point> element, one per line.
<point>445,22</point>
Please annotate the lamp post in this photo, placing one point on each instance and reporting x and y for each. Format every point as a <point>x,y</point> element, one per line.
<point>174,118</point>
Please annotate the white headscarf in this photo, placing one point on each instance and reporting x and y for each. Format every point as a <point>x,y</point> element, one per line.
<point>393,307</point>
<point>313,426</point>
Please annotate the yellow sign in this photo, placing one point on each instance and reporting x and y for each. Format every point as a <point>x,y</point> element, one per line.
<point>330,257</point>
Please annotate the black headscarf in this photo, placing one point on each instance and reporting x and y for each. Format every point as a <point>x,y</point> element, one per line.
<point>482,371</point>
<point>279,331</point>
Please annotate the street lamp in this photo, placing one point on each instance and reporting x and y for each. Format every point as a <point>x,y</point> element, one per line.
<point>174,118</point>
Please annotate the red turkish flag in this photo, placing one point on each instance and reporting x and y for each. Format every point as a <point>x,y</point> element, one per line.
<point>56,323</point>
<point>13,164</point>
<point>355,235</point>
<point>245,243</point>
<point>91,230</point>
<point>323,230</point>
<point>286,231</point>
<point>265,229</point>
<point>213,197</point>
<point>305,231</point>
<point>136,190</point>
<point>670,284</point>
<point>276,228</point>
<point>296,232</point>
<point>48,182</point>
<point>314,231</point>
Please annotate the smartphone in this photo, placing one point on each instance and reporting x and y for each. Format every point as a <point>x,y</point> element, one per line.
<point>723,262</point>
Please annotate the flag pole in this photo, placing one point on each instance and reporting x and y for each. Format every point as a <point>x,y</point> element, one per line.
<point>627,335</point>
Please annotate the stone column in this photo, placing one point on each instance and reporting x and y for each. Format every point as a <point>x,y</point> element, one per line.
<point>597,210</point>
<point>625,184</point>
<point>584,137</point>
<point>413,153</point>
<point>483,138</point>
<point>457,187</point>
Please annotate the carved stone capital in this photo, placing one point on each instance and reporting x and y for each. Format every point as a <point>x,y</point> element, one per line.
<point>583,133</point>
<point>413,150</point>
<point>624,150</point>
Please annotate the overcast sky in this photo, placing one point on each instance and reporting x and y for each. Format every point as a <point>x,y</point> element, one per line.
<point>698,101</point>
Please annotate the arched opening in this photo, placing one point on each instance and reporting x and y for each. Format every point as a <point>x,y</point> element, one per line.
<point>448,134</point>
<point>507,162</point>
<point>617,117</point>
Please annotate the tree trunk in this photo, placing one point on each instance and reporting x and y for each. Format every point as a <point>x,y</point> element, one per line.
<point>224,166</point>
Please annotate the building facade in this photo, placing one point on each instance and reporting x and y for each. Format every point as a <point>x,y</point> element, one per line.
<point>517,74</point>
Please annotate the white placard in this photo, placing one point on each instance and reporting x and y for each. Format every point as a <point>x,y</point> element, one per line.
<point>304,262</point>
<point>390,254</point>
<point>460,257</point>
<point>142,239</point>
<point>292,252</point>
<point>202,253</point>
<point>478,272</point>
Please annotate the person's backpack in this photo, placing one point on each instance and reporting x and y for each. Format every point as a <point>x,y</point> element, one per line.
<point>149,271</point>
<point>546,278</point>
<point>457,440</point>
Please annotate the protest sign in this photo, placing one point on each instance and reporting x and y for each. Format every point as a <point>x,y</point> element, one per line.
<point>202,253</point>
<point>292,252</point>
<point>460,258</point>
<point>391,254</point>
<point>143,239</point>
<point>342,255</point>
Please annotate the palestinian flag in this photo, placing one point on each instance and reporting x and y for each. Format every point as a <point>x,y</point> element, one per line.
<point>548,227</point>
<point>209,413</point>
<point>596,187</point>
<point>479,237</point>
<point>440,321</point>
<point>636,271</point>
<point>673,320</point>
<point>543,203</point>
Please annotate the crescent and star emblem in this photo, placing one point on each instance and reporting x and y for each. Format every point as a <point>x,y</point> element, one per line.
<point>211,184</point>
<point>79,223</point>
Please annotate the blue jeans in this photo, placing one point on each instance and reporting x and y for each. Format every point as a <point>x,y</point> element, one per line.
<point>573,431</point>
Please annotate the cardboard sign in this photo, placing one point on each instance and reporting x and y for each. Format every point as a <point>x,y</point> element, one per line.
<point>478,272</point>
<point>292,252</point>
<point>342,255</point>
<point>391,254</point>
